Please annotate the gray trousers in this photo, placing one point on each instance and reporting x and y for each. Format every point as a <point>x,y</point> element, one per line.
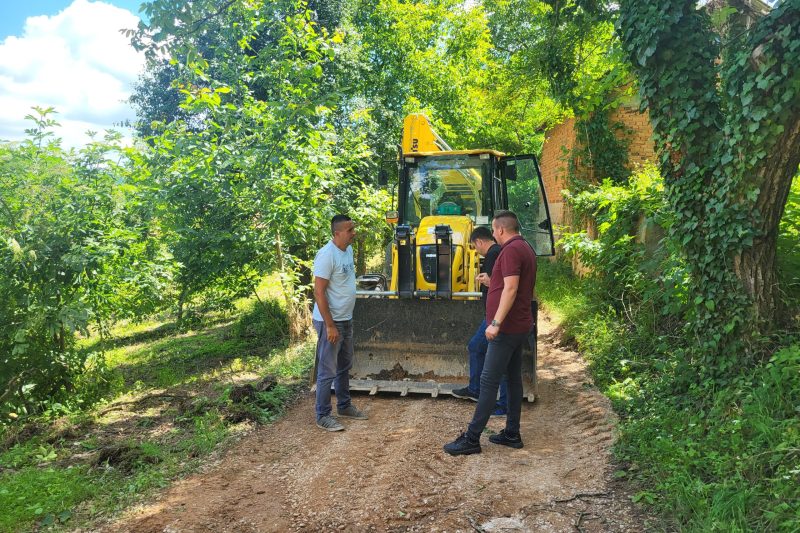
<point>334,362</point>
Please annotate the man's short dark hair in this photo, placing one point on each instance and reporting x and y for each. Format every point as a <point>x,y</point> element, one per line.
<point>508,220</point>
<point>338,219</point>
<point>481,232</point>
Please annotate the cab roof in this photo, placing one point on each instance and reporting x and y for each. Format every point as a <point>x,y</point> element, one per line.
<point>445,153</point>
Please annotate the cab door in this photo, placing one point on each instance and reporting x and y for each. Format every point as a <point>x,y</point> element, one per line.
<point>526,197</point>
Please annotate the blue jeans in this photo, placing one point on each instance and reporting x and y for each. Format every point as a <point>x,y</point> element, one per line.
<point>504,356</point>
<point>477,347</point>
<point>334,362</point>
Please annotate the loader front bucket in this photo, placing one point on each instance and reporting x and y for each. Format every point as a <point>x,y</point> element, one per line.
<point>419,346</point>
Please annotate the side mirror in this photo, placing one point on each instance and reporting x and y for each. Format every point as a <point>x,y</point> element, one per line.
<point>383,177</point>
<point>545,224</point>
<point>392,217</point>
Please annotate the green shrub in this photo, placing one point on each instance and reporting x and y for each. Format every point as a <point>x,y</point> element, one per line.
<point>789,245</point>
<point>709,454</point>
<point>74,252</point>
<point>732,464</point>
<point>265,321</point>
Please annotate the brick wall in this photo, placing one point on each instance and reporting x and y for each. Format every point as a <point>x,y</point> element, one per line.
<point>640,149</point>
<point>554,165</point>
<point>560,140</point>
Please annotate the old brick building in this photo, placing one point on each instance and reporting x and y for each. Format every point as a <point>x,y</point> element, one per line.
<point>560,141</point>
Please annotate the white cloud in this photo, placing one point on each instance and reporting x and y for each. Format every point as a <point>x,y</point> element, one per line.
<point>77,62</point>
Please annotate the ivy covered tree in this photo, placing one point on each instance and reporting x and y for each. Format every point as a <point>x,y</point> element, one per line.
<point>725,109</point>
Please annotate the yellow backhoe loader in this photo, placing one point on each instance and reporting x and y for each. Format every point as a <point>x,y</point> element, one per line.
<point>411,336</point>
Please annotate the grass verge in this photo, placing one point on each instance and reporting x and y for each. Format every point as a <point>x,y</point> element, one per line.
<point>173,398</point>
<point>728,462</point>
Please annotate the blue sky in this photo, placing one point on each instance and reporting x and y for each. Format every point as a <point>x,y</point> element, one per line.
<point>14,12</point>
<point>70,55</point>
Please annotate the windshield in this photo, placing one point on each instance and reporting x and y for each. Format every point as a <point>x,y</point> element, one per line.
<point>452,185</point>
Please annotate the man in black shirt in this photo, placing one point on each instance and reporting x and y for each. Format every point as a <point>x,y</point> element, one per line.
<point>481,238</point>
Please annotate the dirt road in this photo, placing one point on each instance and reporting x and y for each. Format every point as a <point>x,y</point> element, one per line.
<point>389,473</point>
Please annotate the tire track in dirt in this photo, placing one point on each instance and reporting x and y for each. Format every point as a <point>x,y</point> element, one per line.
<point>389,473</point>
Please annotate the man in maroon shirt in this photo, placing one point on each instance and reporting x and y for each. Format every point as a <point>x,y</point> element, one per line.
<point>508,313</point>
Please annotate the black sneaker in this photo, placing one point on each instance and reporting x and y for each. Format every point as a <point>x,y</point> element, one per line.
<point>463,446</point>
<point>465,394</point>
<point>506,440</point>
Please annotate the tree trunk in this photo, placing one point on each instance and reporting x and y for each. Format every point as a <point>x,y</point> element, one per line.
<point>361,259</point>
<point>181,303</point>
<point>756,267</point>
<point>298,313</point>
<point>305,278</point>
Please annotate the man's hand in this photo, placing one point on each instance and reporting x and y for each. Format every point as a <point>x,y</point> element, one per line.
<point>482,279</point>
<point>320,285</point>
<point>510,286</point>
<point>333,333</point>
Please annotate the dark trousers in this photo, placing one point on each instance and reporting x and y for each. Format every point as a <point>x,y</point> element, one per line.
<point>477,347</point>
<point>504,356</point>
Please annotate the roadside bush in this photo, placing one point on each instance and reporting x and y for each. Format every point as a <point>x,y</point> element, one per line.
<point>266,321</point>
<point>73,253</point>
<point>633,289</point>
<point>711,454</point>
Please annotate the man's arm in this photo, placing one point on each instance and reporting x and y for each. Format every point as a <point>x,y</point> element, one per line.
<point>320,286</point>
<point>491,258</point>
<point>488,265</point>
<point>510,286</point>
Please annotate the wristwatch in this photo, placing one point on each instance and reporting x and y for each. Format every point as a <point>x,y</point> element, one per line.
<point>495,323</point>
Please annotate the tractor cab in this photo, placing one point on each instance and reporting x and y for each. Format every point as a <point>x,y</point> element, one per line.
<point>442,196</point>
<point>474,184</point>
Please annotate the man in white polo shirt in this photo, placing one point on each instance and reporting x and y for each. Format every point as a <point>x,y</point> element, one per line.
<point>335,297</point>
